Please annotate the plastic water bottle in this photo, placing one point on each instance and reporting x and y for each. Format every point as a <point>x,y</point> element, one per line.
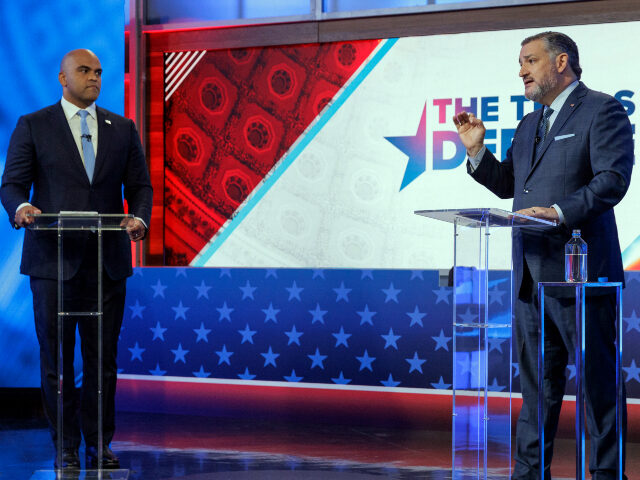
<point>575,259</point>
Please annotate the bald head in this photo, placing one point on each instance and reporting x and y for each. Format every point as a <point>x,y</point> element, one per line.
<point>80,77</point>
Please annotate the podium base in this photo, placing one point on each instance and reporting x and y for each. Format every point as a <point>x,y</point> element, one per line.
<point>80,475</point>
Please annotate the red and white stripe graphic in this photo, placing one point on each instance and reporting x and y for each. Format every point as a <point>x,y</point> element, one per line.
<point>177,66</point>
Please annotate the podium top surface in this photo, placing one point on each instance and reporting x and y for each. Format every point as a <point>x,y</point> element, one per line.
<point>80,221</point>
<point>482,217</point>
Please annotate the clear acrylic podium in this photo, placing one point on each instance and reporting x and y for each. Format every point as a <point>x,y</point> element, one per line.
<point>482,351</point>
<point>95,223</point>
<point>581,326</point>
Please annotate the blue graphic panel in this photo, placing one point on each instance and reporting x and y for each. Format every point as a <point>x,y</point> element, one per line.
<point>34,37</point>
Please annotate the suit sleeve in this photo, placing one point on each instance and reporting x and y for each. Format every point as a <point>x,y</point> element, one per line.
<point>19,169</point>
<point>610,147</point>
<point>497,176</point>
<point>137,185</point>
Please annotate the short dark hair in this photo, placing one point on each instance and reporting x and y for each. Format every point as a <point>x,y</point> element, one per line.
<point>556,43</point>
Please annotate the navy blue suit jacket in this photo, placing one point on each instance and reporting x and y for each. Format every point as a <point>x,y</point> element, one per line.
<point>43,154</point>
<point>584,167</point>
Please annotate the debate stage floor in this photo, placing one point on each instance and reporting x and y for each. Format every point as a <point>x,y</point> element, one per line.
<point>156,446</point>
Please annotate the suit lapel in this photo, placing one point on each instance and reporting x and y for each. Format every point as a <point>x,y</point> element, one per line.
<point>60,126</point>
<point>105,131</point>
<point>570,106</point>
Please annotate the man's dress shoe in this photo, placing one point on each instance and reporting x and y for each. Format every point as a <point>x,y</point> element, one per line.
<point>70,459</point>
<point>109,459</point>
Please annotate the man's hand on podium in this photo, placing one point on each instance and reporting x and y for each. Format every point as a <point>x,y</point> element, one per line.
<point>22,219</point>
<point>135,228</point>
<point>540,212</point>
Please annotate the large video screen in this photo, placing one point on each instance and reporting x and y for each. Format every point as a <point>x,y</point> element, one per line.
<point>339,191</point>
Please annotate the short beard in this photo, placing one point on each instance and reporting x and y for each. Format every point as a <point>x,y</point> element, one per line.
<point>547,84</point>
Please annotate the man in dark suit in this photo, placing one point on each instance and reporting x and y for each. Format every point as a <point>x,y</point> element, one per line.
<point>77,157</point>
<point>571,162</point>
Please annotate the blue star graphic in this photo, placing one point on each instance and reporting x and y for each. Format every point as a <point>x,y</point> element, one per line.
<point>495,295</point>
<point>271,272</point>
<point>466,364</point>
<point>201,373</point>
<point>516,366</point>
<point>202,333</point>
<point>416,274</point>
<point>181,272</point>
<point>342,293</point>
<point>633,322</point>
<point>180,353</point>
<point>495,343</point>
<point>136,352</point>
<point>224,355</point>
<point>294,336</point>
<point>633,372</point>
<point>494,387</point>
<point>225,272</point>
<point>158,289</point>
<point>157,371</point>
<point>468,317</point>
<point>225,312</point>
<point>441,385</point>
<point>247,291</point>
<point>180,311</point>
<point>317,359</point>
<point>318,315</point>
<point>270,313</point>
<point>391,293</point>
<point>246,375</point>
<point>294,291</point>
<point>137,271</point>
<point>366,274</point>
<point>136,310</point>
<point>293,377</point>
<point>203,290</point>
<point>443,294</point>
<point>390,339</point>
<point>341,380</point>
<point>366,361</point>
<point>366,315</point>
<point>415,362</point>
<point>632,276</point>
<point>572,371</point>
<point>318,273</point>
<point>341,337</point>
<point>442,341</point>
<point>270,357</point>
<point>247,334</point>
<point>415,147</point>
<point>416,317</point>
<point>158,331</point>
<point>389,382</point>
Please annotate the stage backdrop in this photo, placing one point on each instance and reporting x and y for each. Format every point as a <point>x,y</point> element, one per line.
<point>252,182</point>
<point>34,37</point>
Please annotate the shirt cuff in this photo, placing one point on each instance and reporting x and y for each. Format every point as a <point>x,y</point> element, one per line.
<point>559,212</point>
<point>25,204</point>
<point>477,158</point>
<point>142,222</point>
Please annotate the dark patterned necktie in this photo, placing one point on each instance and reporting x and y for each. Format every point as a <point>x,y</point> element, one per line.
<point>543,129</point>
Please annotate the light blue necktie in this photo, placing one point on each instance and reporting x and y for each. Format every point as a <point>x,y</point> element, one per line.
<point>87,146</point>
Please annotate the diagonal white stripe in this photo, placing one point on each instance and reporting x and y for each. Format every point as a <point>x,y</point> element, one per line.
<point>175,59</point>
<point>179,67</point>
<point>168,58</point>
<point>186,74</point>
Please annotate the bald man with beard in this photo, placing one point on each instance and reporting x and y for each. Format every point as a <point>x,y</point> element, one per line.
<point>46,157</point>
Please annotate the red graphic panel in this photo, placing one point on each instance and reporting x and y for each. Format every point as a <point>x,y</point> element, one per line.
<point>234,116</point>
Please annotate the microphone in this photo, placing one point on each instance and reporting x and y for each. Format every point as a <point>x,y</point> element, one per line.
<point>88,137</point>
